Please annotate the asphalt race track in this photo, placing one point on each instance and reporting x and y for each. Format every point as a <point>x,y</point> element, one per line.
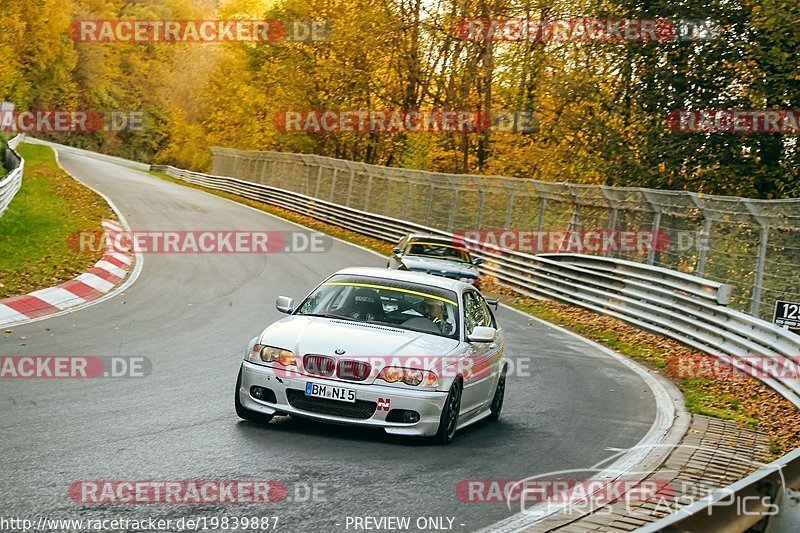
<point>191,316</point>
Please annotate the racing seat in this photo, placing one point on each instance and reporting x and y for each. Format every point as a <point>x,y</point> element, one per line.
<point>422,323</point>
<point>363,304</point>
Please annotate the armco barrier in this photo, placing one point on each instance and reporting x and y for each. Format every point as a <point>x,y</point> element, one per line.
<point>748,243</point>
<point>680,306</point>
<point>673,304</point>
<point>11,182</point>
<point>770,494</point>
<point>687,308</point>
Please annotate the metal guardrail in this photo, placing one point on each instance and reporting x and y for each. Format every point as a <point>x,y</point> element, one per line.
<point>770,494</point>
<point>670,303</point>
<point>687,308</point>
<point>11,182</point>
<point>747,243</point>
<point>677,305</point>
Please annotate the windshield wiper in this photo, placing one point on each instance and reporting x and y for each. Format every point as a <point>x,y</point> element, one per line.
<point>327,315</point>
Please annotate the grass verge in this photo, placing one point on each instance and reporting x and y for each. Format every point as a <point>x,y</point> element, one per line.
<point>741,398</point>
<point>35,231</point>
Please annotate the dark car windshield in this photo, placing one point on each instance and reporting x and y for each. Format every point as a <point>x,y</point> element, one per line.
<point>438,250</point>
<point>392,303</point>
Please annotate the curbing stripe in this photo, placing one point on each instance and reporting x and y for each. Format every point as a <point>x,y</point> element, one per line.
<point>111,268</point>
<point>122,258</point>
<point>107,289</point>
<point>114,261</point>
<point>30,306</point>
<point>79,288</point>
<point>9,315</point>
<point>95,283</point>
<point>58,297</point>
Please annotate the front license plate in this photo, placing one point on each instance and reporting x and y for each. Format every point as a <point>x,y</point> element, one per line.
<point>330,392</point>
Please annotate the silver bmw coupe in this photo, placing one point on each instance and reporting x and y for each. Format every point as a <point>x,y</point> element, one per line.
<point>410,353</point>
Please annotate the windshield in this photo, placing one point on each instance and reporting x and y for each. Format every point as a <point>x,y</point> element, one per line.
<point>390,303</point>
<point>438,250</point>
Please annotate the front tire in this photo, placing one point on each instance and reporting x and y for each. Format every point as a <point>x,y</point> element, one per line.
<point>449,419</point>
<point>243,412</point>
<point>499,396</point>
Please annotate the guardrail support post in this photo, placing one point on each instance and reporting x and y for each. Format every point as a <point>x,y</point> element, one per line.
<point>350,187</point>
<point>703,243</point>
<point>388,183</point>
<point>651,253</point>
<point>481,202</point>
<point>510,211</point>
<point>407,199</point>
<point>755,305</point>
<point>429,204</point>
<point>575,221</point>
<point>612,217</point>
<point>452,217</point>
<point>369,191</point>
<point>319,180</point>
<point>333,184</point>
<point>612,225</point>
<point>542,206</point>
<point>305,185</point>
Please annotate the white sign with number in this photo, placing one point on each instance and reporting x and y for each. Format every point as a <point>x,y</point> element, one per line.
<point>787,314</point>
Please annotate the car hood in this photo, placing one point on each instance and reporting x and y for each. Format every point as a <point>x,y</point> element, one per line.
<point>379,345</point>
<point>440,267</point>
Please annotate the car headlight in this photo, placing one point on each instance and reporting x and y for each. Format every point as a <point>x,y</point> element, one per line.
<point>409,376</point>
<point>269,354</point>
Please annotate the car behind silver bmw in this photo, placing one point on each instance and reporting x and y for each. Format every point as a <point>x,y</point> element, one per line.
<point>410,353</point>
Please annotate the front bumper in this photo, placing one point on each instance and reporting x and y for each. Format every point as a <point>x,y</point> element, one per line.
<point>428,404</point>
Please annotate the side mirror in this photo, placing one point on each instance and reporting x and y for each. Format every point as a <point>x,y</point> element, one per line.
<point>482,334</point>
<point>397,251</point>
<point>494,302</point>
<point>284,304</point>
<point>477,261</point>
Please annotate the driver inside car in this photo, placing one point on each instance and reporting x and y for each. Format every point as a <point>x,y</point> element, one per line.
<point>434,310</point>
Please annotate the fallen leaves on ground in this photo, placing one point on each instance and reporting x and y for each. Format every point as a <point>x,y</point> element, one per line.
<point>709,388</point>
